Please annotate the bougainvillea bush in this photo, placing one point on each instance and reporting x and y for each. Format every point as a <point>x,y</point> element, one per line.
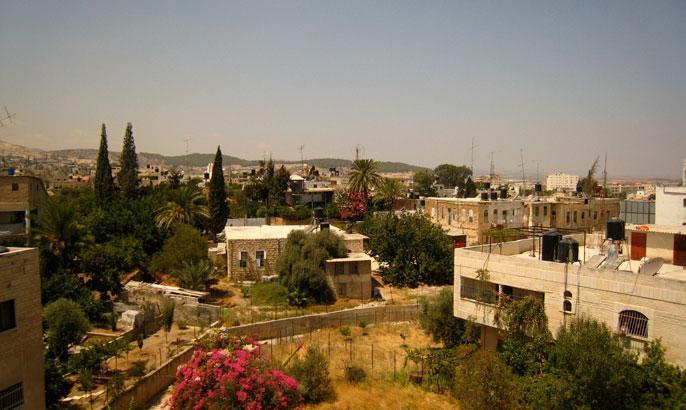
<point>234,377</point>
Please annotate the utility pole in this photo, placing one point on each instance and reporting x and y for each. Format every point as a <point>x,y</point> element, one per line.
<point>605,176</point>
<point>521,155</point>
<point>302,159</point>
<point>492,173</point>
<point>472,163</point>
<point>188,140</point>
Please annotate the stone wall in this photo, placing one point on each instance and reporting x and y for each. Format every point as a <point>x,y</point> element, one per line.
<point>21,348</point>
<point>252,272</point>
<point>186,308</point>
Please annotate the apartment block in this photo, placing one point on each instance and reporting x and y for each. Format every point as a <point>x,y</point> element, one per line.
<point>20,199</point>
<point>561,182</point>
<point>21,333</point>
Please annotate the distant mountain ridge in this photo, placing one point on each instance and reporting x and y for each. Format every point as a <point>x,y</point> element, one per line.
<point>195,160</point>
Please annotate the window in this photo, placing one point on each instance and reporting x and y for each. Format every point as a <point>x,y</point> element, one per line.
<point>504,215</point>
<point>595,215</point>
<point>7,318</point>
<point>243,259</point>
<point>260,257</point>
<point>545,211</point>
<point>633,323</point>
<point>567,216</point>
<point>535,211</point>
<point>471,216</point>
<point>575,213</point>
<point>464,215</point>
<point>12,397</point>
<point>567,306</point>
<point>583,215</point>
<point>15,187</point>
<point>568,294</point>
<point>339,269</point>
<point>684,202</point>
<point>353,268</point>
<point>485,215</point>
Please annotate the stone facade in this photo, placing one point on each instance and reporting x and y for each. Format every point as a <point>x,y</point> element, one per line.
<point>21,346</point>
<point>571,290</point>
<point>20,199</point>
<point>351,277</point>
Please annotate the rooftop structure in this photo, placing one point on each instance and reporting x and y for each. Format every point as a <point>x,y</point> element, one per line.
<point>21,197</point>
<point>561,182</point>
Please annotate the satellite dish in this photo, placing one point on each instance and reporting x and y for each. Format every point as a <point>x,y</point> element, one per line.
<point>651,266</point>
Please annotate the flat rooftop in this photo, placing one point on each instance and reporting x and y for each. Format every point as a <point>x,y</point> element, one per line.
<point>280,232</point>
<point>355,256</point>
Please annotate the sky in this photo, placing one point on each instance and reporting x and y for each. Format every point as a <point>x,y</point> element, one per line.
<point>560,82</point>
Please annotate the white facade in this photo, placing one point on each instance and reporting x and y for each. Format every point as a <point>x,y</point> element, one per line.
<point>670,205</point>
<point>561,181</point>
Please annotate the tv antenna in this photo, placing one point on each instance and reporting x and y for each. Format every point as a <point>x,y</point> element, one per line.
<point>538,163</point>
<point>492,171</point>
<point>6,117</point>
<point>472,163</point>
<point>521,164</point>
<point>187,140</point>
<point>302,158</point>
<point>358,149</point>
<point>605,176</point>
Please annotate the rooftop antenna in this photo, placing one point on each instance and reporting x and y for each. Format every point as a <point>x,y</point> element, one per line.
<point>492,173</point>
<point>521,156</point>
<point>358,149</point>
<point>605,175</point>
<point>537,162</point>
<point>187,140</point>
<point>302,159</point>
<point>7,117</point>
<point>472,163</point>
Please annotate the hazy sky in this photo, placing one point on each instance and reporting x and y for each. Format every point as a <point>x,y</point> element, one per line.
<point>409,81</point>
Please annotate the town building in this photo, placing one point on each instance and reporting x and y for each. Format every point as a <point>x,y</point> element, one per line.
<point>561,182</point>
<point>21,330</point>
<point>636,211</point>
<point>658,241</point>
<point>308,192</point>
<point>571,212</point>
<point>670,202</point>
<point>252,251</point>
<point>21,197</point>
<point>351,277</point>
<point>642,301</point>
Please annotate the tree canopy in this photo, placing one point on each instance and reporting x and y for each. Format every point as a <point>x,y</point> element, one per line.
<point>451,176</point>
<point>424,183</point>
<point>218,208</point>
<point>363,176</point>
<point>103,183</point>
<point>128,162</point>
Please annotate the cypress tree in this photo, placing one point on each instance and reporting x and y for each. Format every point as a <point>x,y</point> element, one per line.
<point>104,186</point>
<point>128,161</point>
<point>219,210</point>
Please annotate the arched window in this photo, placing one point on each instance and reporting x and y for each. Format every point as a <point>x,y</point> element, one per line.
<point>567,306</point>
<point>633,323</point>
<point>568,294</point>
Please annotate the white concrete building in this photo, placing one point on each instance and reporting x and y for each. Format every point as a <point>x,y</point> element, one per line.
<point>670,205</point>
<point>560,181</point>
<point>629,296</point>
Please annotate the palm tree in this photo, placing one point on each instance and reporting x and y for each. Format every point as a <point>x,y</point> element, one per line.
<point>389,190</point>
<point>195,275</point>
<point>363,176</point>
<point>185,206</point>
<point>59,231</point>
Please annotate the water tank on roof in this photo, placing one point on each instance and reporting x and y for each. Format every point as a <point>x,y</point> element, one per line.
<point>579,189</point>
<point>484,196</point>
<point>615,229</point>
<point>538,187</point>
<point>549,247</point>
<point>487,185</point>
<point>568,250</point>
<point>10,171</point>
<point>503,192</point>
<point>494,195</point>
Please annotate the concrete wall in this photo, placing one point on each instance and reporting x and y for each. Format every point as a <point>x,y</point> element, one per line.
<point>669,205</point>
<point>599,293</point>
<point>186,308</point>
<point>21,348</point>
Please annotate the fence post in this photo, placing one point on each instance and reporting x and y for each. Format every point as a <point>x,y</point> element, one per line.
<point>393,364</point>
<point>372,359</point>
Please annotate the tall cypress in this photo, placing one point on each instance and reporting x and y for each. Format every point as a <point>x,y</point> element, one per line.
<point>128,161</point>
<point>219,210</point>
<point>104,186</point>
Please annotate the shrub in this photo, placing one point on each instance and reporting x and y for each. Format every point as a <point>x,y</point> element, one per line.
<point>237,378</point>
<point>345,331</point>
<point>437,319</point>
<point>268,294</point>
<point>483,381</point>
<point>137,369</point>
<point>312,372</point>
<point>355,374</point>
<point>186,244</point>
<point>66,325</point>
<point>182,324</point>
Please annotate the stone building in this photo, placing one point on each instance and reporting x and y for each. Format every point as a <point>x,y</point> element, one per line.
<point>21,332</point>
<point>252,251</point>
<point>21,197</point>
<point>640,301</point>
<point>351,277</point>
<point>567,212</point>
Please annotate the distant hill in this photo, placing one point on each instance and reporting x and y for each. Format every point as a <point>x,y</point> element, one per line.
<point>195,160</point>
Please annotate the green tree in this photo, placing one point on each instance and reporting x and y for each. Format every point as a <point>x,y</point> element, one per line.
<point>451,176</point>
<point>60,233</point>
<point>424,183</point>
<point>186,244</point>
<point>106,262</point>
<point>168,307</point>
<point>218,208</point>
<point>469,188</point>
<point>103,184</point>
<point>412,249</point>
<point>589,183</point>
<point>66,325</point>
<point>388,191</point>
<point>593,362</point>
<point>663,385</point>
<point>198,275</point>
<point>128,162</point>
<point>184,207</point>
<point>56,385</point>
<point>301,265</point>
<point>437,318</point>
<point>363,176</point>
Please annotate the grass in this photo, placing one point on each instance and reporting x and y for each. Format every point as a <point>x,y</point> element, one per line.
<point>268,294</point>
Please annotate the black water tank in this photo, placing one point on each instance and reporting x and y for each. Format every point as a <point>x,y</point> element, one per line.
<point>538,188</point>
<point>550,241</point>
<point>494,195</point>
<point>503,193</point>
<point>487,185</point>
<point>579,189</point>
<point>615,229</point>
<point>568,250</point>
<point>324,225</point>
<point>484,196</point>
